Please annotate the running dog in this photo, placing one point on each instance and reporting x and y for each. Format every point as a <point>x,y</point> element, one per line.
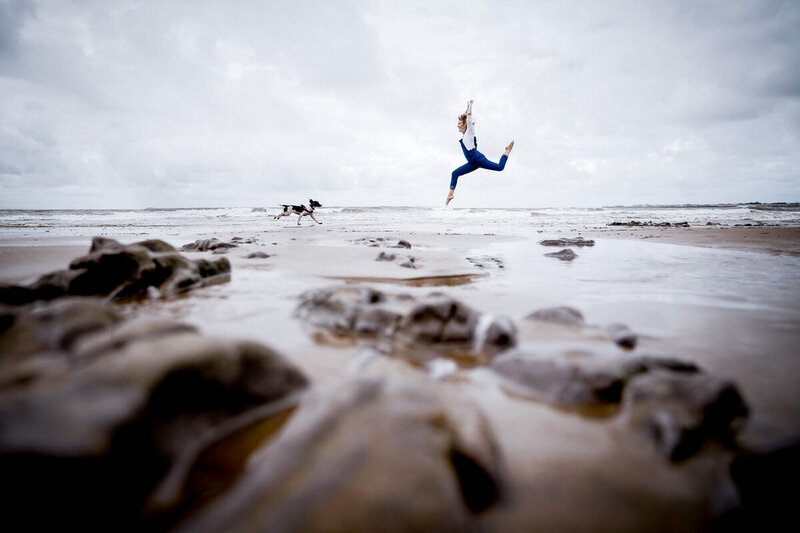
<point>300,211</point>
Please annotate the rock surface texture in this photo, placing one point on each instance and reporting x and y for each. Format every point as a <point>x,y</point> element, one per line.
<point>368,455</point>
<point>120,272</point>
<point>435,323</point>
<point>97,412</point>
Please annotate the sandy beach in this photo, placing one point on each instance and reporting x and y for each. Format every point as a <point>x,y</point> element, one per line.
<point>775,240</point>
<point>723,298</point>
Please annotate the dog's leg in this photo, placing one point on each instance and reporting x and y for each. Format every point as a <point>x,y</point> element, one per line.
<point>315,220</point>
<point>300,217</point>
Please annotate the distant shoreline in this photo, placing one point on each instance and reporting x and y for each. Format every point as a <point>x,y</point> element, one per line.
<point>767,205</point>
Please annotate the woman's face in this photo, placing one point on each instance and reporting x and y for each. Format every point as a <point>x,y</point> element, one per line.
<point>462,126</point>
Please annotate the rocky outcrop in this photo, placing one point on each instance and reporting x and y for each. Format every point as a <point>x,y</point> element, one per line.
<point>105,423</point>
<point>764,479</point>
<point>120,272</point>
<point>377,242</point>
<point>622,335</point>
<point>410,261</point>
<point>680,411</point>
<point>205,245</point>
<point>360,452</point>
<point>577,241</point>
<point>650,223</point>
<point>435,323</point>
<point>486,261</point>
<point>564,255</point>
<point>558,315</point>
<point>673,403</point>
<point>579,381</point>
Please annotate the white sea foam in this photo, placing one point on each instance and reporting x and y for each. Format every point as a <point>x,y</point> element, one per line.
<point>21,223</point>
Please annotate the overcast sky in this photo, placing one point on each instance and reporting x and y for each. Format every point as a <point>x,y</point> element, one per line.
<point>182,103</point>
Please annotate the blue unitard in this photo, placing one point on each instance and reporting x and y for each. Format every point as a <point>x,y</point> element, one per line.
<point>475,159</point>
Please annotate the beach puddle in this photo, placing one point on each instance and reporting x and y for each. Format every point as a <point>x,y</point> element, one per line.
<point>221,463</point>
<point>423,281</point>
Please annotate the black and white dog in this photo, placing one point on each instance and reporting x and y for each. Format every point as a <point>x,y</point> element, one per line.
<point>300,211</point>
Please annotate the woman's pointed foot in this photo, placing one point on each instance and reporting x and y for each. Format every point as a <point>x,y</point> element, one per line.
<point>509,147</point>
<point>449,197</point>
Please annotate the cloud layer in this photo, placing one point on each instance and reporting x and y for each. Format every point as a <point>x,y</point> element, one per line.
<point>198,103</point>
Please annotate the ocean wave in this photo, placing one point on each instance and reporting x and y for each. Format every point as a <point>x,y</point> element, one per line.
<point>775,207</point>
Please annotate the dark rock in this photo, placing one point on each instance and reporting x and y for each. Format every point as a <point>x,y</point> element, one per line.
<point>410,263</point>
<point>638,223</point>
<point>104,243</point>
<point>52,328</point>
<point>581,380</point>
<point>122,272</point>
<point>486,261</point>
<point>440,320</point>
<point>204,245</point>
<point>258,255</point>
<point>47,287</point>
<point>383,256</point>
<point>375,321</point>
<point>577,241</point>
<point>339,310</point>
<point>565,255</point>
<point>497,332</point>
<point>436,321</point>
<point>154,245</point>
<point>622,335</point>
<point>679,411</point>
<point>376,242</point>
<point>559,315</point>
<point>396,449</point>
<point>765,480</point>
<point>132,405</point>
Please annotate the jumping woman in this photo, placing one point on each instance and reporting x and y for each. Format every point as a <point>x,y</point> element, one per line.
<point>469,145</point>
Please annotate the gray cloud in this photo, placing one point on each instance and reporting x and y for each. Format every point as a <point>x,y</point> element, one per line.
<point>132,104</point>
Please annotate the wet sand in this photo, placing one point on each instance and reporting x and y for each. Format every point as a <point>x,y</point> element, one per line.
<point>567,471</point>
<point>779,240</point>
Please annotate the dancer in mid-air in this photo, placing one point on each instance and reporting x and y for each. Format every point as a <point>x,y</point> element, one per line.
<point>475,159</point>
